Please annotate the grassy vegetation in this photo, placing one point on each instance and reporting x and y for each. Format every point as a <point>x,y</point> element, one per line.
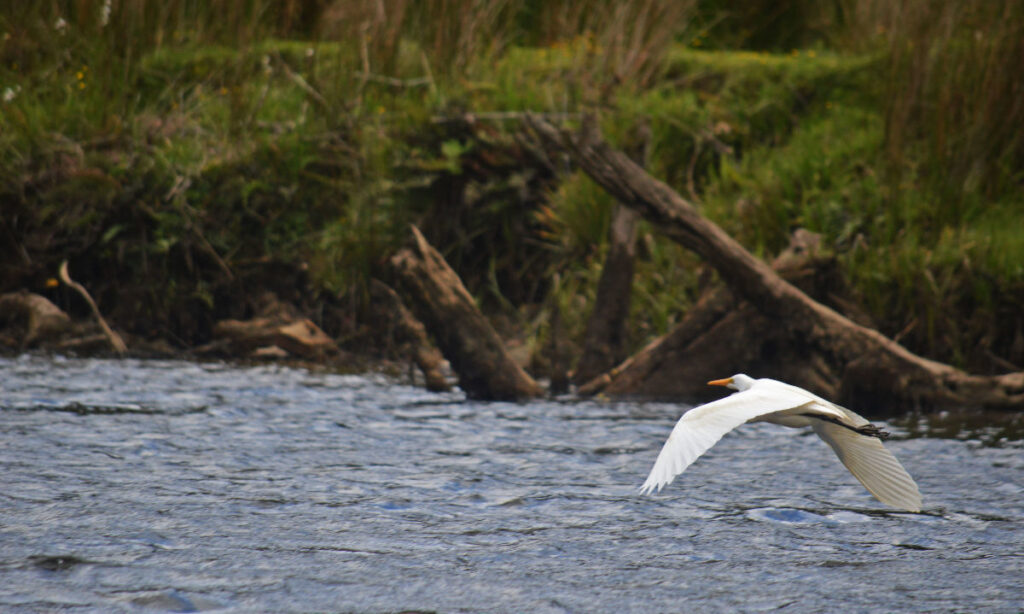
<point>170,150</point>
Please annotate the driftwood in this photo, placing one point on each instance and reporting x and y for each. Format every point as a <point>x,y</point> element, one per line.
<point>467,340</point>
<point>278,329</point>
<point>410,331</point>
<point>259,336</point>
<point>722,331</point>
<point>867,367</point>
<point>115,339</point>
<point>38,318</point>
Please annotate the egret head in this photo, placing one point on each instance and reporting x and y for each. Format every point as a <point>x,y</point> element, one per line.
<point>736,382</point>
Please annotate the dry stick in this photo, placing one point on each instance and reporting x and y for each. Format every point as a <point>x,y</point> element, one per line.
<point>364,55</point>
<point>300,81</point>
<point>503,116</point>
<point>114,339</point>
<point>176,196</point>
<point>429,73</point>
<point>393,81</point>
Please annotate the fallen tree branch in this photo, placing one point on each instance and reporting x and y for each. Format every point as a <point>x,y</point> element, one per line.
<point>115,340</point>
<point>722,333</point>
<point>872,367</point>
<point>297,337</point>
<point>467,340</point>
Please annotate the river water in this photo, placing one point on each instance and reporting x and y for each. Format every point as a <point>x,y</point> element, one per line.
<point>165,486</point>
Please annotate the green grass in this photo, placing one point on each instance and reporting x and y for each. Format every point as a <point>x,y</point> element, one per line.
<point>913,262</point>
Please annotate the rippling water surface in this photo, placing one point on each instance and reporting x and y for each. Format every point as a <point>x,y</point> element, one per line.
<point>170,486</point>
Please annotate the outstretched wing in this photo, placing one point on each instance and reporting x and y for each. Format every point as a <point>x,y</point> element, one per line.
<point>702,427</point>
<point>871,463</point>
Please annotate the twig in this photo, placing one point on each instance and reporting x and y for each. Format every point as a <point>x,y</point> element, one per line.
<point>503,116</point>
<point>429,73</point>
<point>302,83</point>
<point>114,339</point>
<point>1001,362</point>
<point>691,184</point>
<point>906,329</point>
<point>704,135</point>
<point>394,81</point>
<point>176,196</point>
<point>364,55</point>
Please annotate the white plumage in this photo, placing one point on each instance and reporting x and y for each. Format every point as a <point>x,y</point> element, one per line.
<point>855,441</point>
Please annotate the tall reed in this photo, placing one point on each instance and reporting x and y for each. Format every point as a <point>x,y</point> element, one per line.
<point>626,41</point>
<point>954,96</point>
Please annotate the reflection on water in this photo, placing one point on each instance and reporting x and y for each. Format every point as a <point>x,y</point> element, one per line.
<point>168,486</point>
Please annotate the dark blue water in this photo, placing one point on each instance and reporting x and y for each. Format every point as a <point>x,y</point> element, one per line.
<point>130,486</point>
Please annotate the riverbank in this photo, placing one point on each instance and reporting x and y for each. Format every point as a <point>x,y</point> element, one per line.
<point>187,180</point>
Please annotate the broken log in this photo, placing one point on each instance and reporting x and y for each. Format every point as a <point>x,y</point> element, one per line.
<point>299,337</point>
<point>466,339</point>
<point>722,331</point>
<point>34,315</point>
<point>410,331</point>
<point>870,368</point>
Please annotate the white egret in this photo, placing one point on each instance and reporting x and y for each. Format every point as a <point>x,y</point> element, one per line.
<point>855,441</point>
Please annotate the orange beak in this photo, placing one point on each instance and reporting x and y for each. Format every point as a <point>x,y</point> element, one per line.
<point>720,382</point>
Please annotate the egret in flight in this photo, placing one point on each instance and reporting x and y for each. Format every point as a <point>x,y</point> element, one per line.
<point>856,442</point>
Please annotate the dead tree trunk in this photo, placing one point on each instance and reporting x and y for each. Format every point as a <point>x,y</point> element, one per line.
<point>871,367</point>
<point>411,332</point>
<point>722,333</point>
<point>464,336</point>
<point>604,341</point>
<point>605,338</point>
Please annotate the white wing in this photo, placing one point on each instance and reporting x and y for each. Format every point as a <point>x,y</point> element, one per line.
<point>702,427</point>
<point>869,461</point>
